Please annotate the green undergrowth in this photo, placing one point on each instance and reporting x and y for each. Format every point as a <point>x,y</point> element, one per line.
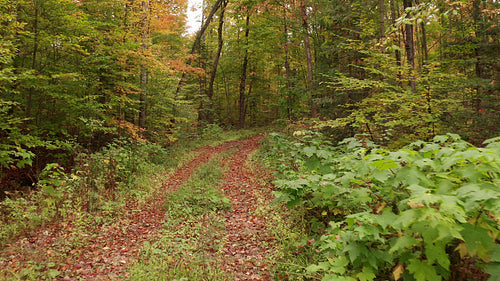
<point>92,194</point>
<point>213,134</point>
<point>98,186</point>
<point>292,251</point>
<point>101,183</point>
<point>429,211</point>
<point>192,237</point>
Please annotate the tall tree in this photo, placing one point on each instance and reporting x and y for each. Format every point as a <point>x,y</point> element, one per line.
<point>410,44</point>
<point>197,41</point>
<point>309,60</point>
<point>243,76</point>
<point>144,70</point>
<point>213,72</point>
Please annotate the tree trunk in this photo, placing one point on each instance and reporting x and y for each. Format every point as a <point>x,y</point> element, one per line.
<point>382,25</point>
<point>288,72</point>
<point>425,51</point>
<point>29,105</point>
<point>144,69</point>
<point>250,84</point>
<point>397,52</point>
<point>410,46</point>
<point>476,13</point>
<point>307,47</point>
<point>226,92</point>
<point>210,92</point>
<point>197,42</point>
<point>423,43</point>
<point>243,77</point>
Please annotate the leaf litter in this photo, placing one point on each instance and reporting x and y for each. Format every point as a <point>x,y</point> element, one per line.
<point>106,251</point>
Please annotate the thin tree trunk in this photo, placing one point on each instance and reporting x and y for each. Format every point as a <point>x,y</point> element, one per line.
<point>307,47</point>
<point>425,51</point>
<point>197,42</point>
<point>226,92</point>
<point>128,5</point>
<point>397,52</point>
<point>210,92</point>
<point>29,106</point>
<point>382,25</point>
<point>476,13</point>
<point>288,72</point>
<point>144,69</point>
<point>243,77</point>
<point>410,46</point>
<point>423,43</point>
<point>250,84</point>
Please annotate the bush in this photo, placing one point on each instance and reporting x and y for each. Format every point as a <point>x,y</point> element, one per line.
<point>212,132</point>
<point>411,214</point>
<point>100,183</point>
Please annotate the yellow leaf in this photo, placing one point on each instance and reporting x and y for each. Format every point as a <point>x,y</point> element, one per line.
<point>397,271</point>
<point>413,205</point>
<point>379,207</point>
<point>462,249</point>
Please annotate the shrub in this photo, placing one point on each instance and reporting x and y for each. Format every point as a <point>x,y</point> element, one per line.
<point>410,214</point>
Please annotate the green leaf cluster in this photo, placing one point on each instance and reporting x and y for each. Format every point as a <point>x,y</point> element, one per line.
<point>419,209</point>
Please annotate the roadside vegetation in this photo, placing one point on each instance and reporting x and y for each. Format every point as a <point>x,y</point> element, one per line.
<point>427,211</point>
<point>95,193</point>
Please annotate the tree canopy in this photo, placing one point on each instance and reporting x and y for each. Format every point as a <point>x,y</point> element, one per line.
<point>74,75</point>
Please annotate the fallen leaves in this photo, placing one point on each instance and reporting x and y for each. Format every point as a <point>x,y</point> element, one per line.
<point>105,251</point>
<point>245,252</point>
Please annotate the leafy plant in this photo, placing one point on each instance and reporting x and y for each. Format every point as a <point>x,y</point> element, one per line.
<point>212,132</point>
<point>15,144</point>
<point>411,213</point>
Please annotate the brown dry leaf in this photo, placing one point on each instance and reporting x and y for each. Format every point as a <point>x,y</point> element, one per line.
<point>413,205</point>
<point>380,206</point>
<point>397,271</point>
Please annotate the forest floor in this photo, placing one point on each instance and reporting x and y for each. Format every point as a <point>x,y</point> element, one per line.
<point>72,250</point>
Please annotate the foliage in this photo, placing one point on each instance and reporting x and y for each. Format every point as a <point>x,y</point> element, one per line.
<point>390,114</point>
<point>100,184</point>
<point>212,131</point>
<point>69,74</point>
<point>53,199</point>
<point>411,213</point>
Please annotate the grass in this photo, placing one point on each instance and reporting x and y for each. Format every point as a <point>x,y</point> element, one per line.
<point>94,194</point>
<point>192,237</point>
<point>289,228</point>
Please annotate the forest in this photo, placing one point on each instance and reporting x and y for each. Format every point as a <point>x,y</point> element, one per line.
<point>375,124</point>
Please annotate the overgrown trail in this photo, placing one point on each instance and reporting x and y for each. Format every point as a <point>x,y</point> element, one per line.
<point>107,253</point>
<point>247,240</point>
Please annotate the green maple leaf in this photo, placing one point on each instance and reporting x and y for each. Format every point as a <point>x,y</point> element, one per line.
<point>387,218</point>
<point>436,252</point>
<point>402,243</point>
<point>309,151</point>
<point>423,270</point>
<point>366,275</point>
<point>494,270</point>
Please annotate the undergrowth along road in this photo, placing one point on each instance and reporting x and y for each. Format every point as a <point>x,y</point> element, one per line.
<point>80,249</point>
